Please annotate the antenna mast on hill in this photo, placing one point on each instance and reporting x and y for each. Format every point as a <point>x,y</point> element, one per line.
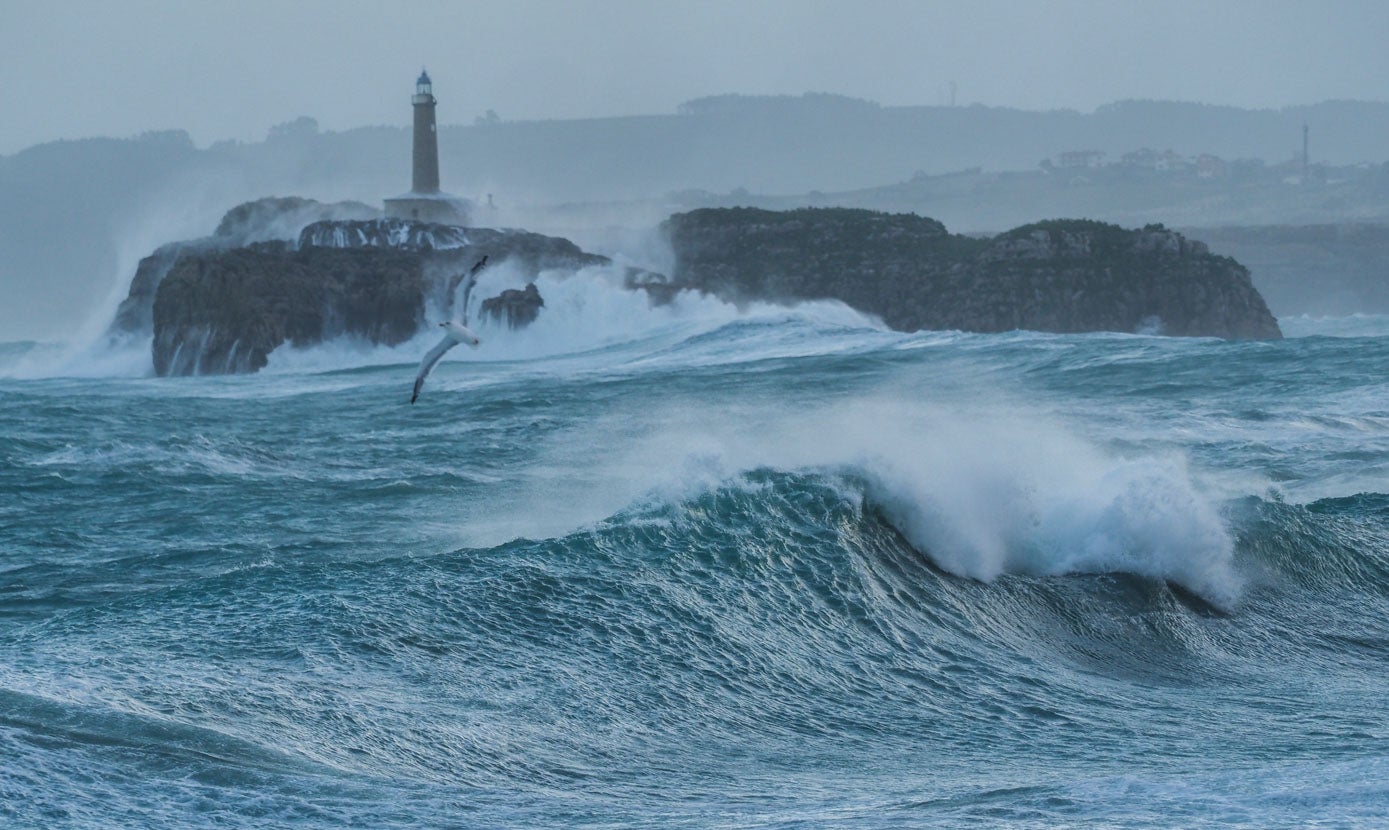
<point>1306,161</point>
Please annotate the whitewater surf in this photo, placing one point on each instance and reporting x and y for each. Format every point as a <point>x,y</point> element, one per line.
<point>695,565</point>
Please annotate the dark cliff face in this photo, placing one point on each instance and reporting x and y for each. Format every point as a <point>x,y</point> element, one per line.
<point>264,220</point>
<point>1075,276</point>
<point>136,312</point>
<point>225,310</point>
<point>1059,276</point>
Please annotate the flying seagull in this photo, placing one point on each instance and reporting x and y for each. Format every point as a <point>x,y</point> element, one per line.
<point>454,333</point>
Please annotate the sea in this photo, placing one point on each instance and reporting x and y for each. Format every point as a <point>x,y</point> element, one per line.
<point>701,566</point>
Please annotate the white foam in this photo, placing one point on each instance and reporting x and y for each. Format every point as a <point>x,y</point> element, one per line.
<point>984,490</point>
<point>1353,325</point>
<point>85,357</point>
<point>199,455</point>
<point>592,309</point>
<point>585,313</point>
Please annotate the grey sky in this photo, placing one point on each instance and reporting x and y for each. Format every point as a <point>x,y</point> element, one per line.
<point>231,70</point>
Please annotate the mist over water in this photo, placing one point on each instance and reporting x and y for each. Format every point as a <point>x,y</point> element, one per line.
<point>698,565</point>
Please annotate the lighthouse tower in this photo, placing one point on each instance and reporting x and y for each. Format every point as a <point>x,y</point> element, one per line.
<point>425,202</point>
<point>426,178</point>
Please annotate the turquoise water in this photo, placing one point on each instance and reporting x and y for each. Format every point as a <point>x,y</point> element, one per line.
<point>699,567</point>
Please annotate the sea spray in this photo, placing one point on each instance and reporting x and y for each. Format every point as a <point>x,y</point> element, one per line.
<point>587,313</point>
<point>982,493</point>
<point>121,356</point>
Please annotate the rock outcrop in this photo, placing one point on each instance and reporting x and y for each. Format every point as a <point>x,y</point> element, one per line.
<point>221,312</point>
<point>516,308</point>
<point>135,315</point>
<point>224,310</point>
<point>1058,276</point>
<point>264,220</point>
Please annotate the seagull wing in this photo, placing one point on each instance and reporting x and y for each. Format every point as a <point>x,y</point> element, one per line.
<point>428,363</point>
<point>468,282</point>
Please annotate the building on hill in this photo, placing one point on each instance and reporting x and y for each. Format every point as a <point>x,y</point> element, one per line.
<point>1080,158</point>
<point>426,202</point>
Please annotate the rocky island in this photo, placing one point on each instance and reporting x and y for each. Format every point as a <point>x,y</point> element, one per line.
<point>222,304</point>
<point>1062,276</point>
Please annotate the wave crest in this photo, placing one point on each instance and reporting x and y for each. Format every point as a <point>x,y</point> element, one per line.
<point>981,494</point>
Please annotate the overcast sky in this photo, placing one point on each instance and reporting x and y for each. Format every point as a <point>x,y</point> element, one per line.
<point>233,69</point>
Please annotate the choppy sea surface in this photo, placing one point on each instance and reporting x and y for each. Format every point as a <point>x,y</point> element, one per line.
<point>697,566</point>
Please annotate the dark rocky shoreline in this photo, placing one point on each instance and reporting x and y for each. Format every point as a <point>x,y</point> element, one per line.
<point>222,304</point>
<point>1064,276</point>
<point>224,311</point>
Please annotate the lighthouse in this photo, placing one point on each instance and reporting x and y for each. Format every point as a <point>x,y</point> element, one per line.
<point>425,202</point>
<point>426,173</point>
